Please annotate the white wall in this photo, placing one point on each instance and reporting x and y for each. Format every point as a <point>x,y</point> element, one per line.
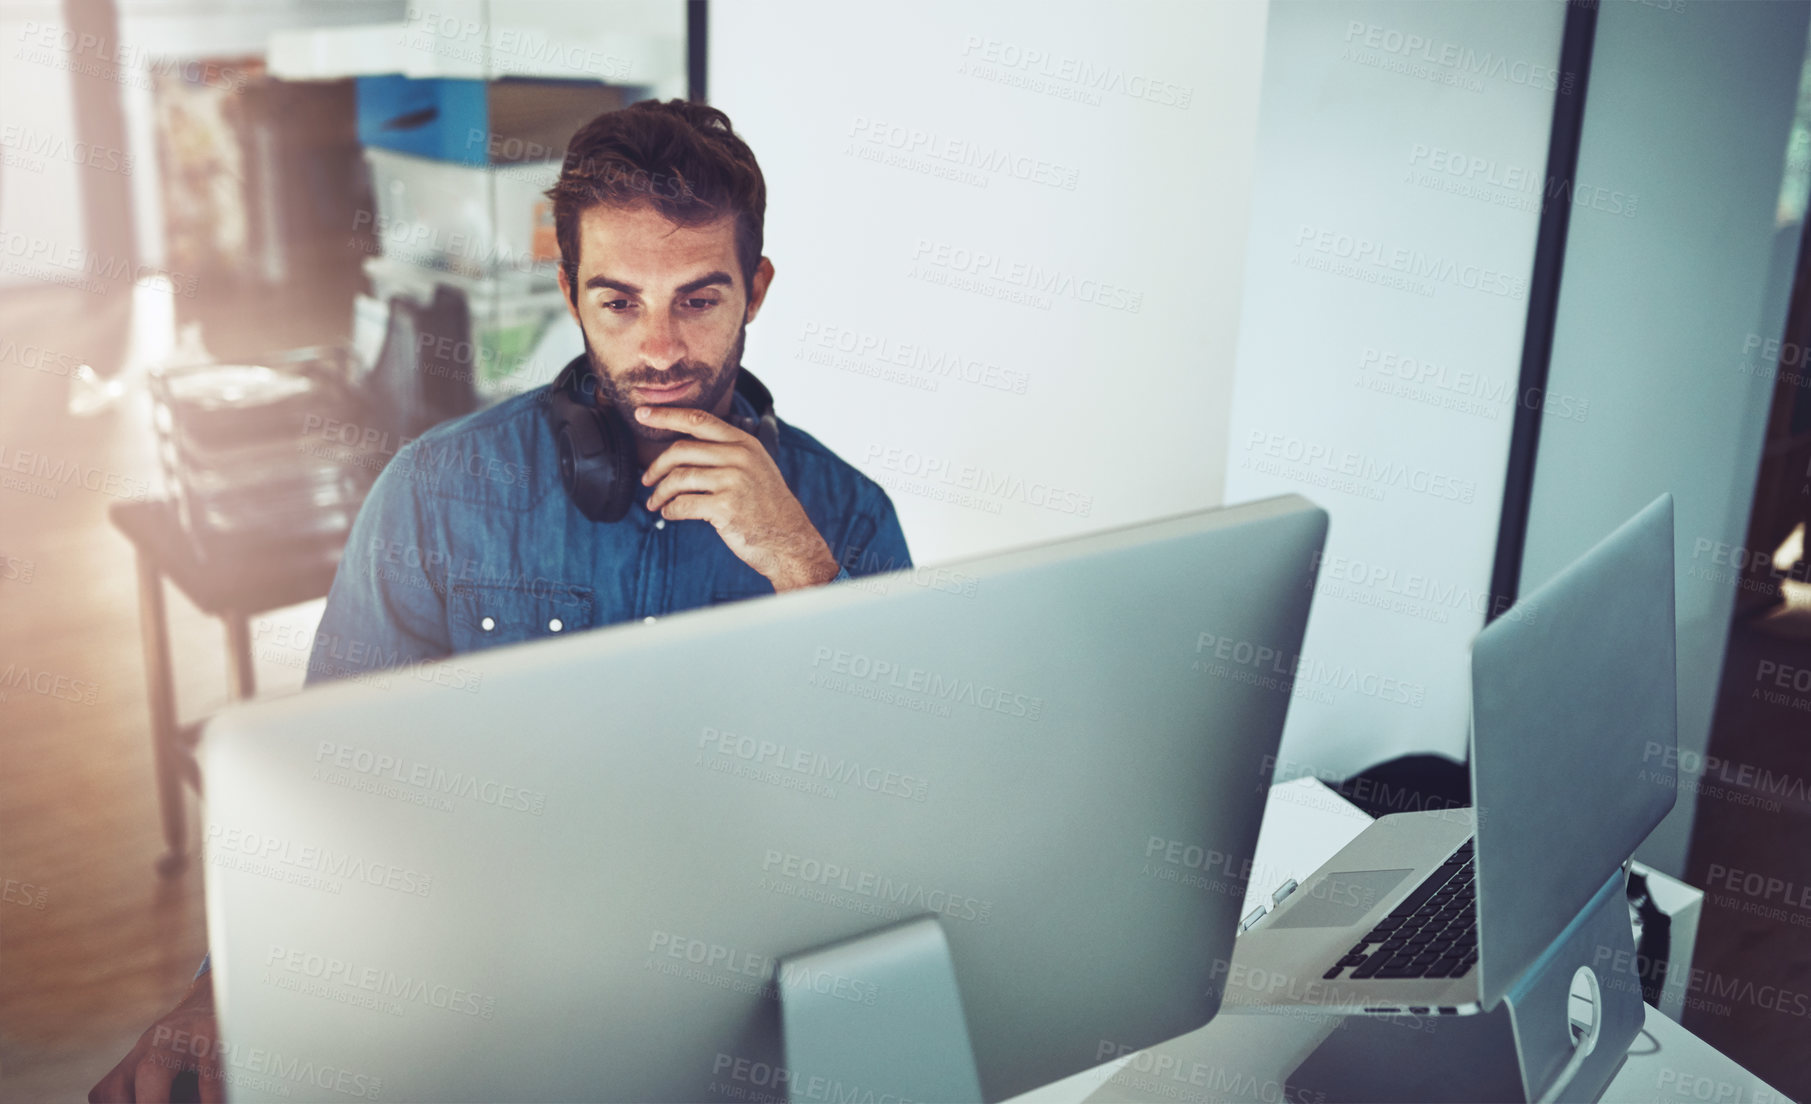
<point>898,236</point>
<point>40,205</point>
<point>1401,149</point>
<point>1657,312</point>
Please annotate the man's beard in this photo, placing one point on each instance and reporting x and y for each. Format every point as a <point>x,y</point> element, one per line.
<point>714,382</point>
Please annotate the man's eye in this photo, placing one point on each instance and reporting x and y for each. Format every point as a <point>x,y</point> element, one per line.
<point>616,306</point>
<point>700,304</point>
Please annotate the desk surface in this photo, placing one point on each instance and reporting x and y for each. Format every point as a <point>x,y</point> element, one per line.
<point>1246,1057</point>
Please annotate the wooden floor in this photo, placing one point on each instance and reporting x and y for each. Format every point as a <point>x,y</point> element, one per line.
<point>94,945</point>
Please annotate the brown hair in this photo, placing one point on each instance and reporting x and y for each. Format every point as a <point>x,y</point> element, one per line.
<point>683,158</point>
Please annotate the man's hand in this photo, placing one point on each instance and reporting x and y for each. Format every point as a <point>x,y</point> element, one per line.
<point>719,474</point>
<point>182,1040</point>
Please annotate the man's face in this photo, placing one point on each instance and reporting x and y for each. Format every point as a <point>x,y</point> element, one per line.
<point>663,309</point>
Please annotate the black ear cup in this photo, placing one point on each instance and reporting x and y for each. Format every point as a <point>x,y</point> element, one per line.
<point>766,429</point>
<point>764,425</point>
<point>597,457</point>
<point>598,466</point>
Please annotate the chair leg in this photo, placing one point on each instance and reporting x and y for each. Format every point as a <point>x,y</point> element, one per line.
<point>244,679</point>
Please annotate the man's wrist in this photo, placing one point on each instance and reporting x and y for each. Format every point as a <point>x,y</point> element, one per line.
<point>828,570</point>
<point>813,568</point>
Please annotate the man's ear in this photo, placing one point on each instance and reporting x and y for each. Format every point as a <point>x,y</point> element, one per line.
<point>757,289</point>
<point>572,304</point>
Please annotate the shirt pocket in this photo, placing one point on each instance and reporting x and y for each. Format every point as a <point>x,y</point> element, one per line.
<point>487,616</point>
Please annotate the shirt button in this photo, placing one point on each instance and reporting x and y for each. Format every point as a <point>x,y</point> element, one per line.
<point>660,523</point>
<point>647,620</point>
<point>555,625</point>
<point>488,624</point>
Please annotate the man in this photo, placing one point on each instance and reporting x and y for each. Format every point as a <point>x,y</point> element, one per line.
<point>469,538</point>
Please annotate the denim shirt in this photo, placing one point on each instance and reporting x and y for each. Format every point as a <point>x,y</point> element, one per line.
<point>468,540</point>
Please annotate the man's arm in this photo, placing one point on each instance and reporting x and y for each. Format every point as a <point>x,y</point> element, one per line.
<point>386,608</point>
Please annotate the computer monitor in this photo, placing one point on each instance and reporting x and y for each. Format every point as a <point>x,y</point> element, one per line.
<point>574,875</point>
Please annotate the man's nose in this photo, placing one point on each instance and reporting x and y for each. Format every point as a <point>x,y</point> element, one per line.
<point>660,342</point>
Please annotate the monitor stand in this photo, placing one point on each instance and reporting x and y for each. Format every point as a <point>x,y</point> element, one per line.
<point>877,1017</point>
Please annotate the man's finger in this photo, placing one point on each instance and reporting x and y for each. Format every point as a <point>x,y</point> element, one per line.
<point>691,421</point>
<point>688,480</point>
<point>697,454</point>
<point>155,1074</point>
<point>213,1084</point>
<point>113,1087</point>
<point>691,507</point>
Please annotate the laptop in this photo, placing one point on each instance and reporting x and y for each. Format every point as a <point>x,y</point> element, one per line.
<point>1439,911</point>
<point>585,869</point>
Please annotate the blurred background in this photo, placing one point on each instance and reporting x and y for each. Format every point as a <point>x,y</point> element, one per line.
<point>1480,278</point>
<point>246,251</point>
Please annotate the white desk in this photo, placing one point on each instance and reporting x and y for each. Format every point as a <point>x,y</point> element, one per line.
<point>1245,1057</point>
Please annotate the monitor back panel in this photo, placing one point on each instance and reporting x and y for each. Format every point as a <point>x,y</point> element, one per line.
<point>572,881</point>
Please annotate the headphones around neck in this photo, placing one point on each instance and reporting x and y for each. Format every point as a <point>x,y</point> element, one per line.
<point>598,465</point>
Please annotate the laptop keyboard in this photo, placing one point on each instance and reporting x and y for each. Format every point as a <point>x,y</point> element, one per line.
<point>1433,933</point>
